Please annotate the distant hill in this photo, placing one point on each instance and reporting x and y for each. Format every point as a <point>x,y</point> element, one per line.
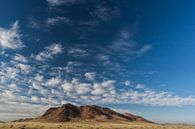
<point>69,112</point>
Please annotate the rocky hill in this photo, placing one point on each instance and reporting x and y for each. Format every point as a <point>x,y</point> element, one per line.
<point>69,112</point>
<point>137,118</point>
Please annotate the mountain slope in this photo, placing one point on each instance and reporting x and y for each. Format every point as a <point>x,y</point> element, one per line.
<point>69,112</point>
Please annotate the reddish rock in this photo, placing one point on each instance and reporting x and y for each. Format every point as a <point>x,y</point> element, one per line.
<point>68,112</point>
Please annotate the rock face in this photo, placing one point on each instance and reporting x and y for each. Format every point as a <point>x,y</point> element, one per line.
<point>69,112</point>
<point>61,114</point>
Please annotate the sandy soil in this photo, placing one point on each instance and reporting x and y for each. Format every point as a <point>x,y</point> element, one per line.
<point>87,125</point>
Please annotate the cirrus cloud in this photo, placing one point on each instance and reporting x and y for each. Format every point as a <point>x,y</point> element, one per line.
<point>49,52</point>
<point>11,38</point>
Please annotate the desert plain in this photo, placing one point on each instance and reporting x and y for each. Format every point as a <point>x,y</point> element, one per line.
<point>91,125</point>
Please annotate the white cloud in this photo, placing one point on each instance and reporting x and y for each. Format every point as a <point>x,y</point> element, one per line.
<point>140,86</point>
<point>61,2</point>
<point>104,87</point>
<point>122,110</point>
<point>37,86</point>
<point>90,75</point>
<point>35,99</point>
<point>54,81</point>
<point>76,87</point>
<point>20,58</point>
<point>11,38</point>
<point>49,52</point>
<point>125,47</point>
<point>54,48</point>
<point>77,52</point>
<point>104,13</point>
<point>71,66</point>
<point>39,77</point>
<point>127,83</point>
<point>104,58</point>
<point>151,97</point>
<point>108,83</point>
<point>144,49</point>
<point>55,20</point>
<point>105,92</point>
<point>83,88</point>
<point>10,72</point>
<point>68,87</point>
<point>23,68</point>
<point>14,111</point>
<point>98,89</point>
<point>13,87</point>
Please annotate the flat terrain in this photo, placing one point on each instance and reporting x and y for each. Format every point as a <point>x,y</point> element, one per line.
<point>91,125</point>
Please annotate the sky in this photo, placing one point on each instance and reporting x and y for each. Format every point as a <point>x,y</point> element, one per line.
<point>131,56</point>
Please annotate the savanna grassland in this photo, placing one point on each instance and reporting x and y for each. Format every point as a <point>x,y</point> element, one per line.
<point>91,125</point>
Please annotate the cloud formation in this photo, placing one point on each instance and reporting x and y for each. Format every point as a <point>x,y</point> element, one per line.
<point>90,75</point>
<point>55,20</point>
<point>60,2</point>
<point>20,58</point>
<point>77,52</point>
<point>25,82</point>
<point>11,38</point>
<point>49,52</point>
<point>126,46</point>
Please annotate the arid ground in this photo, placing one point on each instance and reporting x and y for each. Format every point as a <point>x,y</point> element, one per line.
<point>91,125</point>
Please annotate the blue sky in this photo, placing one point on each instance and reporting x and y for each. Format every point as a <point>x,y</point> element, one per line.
<point>132,56</point>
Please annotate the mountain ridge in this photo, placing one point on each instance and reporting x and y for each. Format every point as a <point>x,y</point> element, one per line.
<point>69,112</point>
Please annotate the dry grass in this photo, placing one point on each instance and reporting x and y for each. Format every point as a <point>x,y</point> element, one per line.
<point>89,125</point>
